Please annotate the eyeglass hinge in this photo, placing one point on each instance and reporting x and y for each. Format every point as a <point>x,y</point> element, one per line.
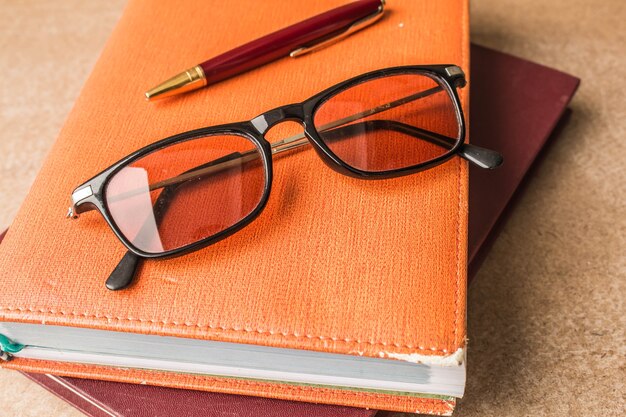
<point>77,196</point>
<point>456,73</point>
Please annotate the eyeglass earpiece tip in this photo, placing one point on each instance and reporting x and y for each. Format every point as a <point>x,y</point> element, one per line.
<point>123,274</point>
<point>481,157</point>
<point>498,160</point>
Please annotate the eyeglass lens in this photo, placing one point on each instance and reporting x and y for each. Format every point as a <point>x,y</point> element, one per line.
<point>389,123</point>
<point>186,192</point>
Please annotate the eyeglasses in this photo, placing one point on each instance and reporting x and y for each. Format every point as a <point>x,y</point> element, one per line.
<point>192,189</point>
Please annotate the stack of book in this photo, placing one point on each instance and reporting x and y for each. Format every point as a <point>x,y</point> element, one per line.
<point>316,308</point>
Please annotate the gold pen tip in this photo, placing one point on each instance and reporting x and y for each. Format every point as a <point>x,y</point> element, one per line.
<point>189,80</point>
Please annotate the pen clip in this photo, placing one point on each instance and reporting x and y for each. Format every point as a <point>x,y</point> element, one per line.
<point>356,26</point>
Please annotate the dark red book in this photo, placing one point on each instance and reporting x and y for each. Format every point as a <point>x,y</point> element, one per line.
<point>516,107</point>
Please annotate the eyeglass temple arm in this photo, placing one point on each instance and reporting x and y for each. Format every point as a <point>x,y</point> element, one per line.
<point>481,157</point>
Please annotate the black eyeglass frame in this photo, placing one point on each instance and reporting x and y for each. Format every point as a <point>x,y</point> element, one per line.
<point>90,195</point>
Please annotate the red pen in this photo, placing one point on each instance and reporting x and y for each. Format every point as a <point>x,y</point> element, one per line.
<point>295,40</point>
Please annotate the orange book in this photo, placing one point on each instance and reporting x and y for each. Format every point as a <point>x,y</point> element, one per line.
<point>343,291</point>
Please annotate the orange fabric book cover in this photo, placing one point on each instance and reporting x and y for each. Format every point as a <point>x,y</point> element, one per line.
<point>334,264</point>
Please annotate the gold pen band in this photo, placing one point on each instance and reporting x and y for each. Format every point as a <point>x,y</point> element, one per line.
<point>191,79</point>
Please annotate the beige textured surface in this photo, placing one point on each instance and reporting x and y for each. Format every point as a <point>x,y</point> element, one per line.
<point>47,49</point>
<point>547,321</point>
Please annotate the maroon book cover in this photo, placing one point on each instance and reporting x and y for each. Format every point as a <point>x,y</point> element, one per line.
<point>516,106</point>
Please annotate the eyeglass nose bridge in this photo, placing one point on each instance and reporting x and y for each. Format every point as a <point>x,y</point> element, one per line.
<point>290,112</point>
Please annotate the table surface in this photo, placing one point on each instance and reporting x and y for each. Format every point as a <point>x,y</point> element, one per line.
<point>546,316</point>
